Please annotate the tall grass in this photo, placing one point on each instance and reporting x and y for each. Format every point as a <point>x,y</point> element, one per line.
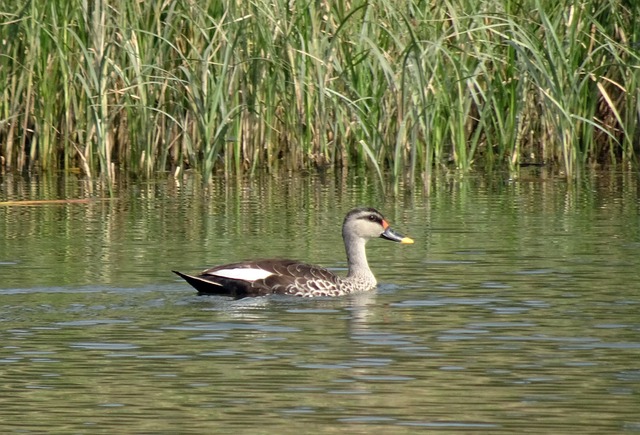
<point>236,86</point>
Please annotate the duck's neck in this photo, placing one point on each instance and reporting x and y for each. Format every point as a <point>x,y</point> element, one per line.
<point>357,258</point>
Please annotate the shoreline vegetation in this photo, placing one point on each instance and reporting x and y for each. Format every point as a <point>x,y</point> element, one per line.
<point>239,86</point>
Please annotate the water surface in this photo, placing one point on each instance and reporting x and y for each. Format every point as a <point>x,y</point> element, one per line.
<point>516,311</point>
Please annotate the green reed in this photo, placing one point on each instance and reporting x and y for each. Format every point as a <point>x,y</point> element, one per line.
<point>239,86</point>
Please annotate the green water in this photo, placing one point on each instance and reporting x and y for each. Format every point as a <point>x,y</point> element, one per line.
<point>516,311</point>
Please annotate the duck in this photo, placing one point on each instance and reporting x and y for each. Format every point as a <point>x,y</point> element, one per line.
<point>291,277</point>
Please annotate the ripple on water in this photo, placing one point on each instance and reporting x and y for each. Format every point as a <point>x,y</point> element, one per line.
<point>94,322</point>
<point>103,346</point>
<point>383,338</point>
<point>224,326</point>
<point>439,302</point>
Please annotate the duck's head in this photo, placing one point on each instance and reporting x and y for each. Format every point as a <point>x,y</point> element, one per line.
<point>368,223</point>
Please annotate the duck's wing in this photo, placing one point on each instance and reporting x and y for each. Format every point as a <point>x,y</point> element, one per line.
<point>301,279</point>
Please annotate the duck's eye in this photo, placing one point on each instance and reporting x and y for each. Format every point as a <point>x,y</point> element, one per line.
<point>372,218</point>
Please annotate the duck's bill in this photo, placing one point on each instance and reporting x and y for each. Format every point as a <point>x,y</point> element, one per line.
<point>389,234</point>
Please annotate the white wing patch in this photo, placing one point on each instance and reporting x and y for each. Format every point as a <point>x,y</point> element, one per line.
<point>244,274</point>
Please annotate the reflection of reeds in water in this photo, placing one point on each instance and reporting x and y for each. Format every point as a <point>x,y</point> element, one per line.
<point>238,86</point>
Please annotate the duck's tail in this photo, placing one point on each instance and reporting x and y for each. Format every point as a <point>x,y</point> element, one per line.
<point>209,285</point>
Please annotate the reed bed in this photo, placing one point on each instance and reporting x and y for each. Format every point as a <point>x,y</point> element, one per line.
<point>107,87</point>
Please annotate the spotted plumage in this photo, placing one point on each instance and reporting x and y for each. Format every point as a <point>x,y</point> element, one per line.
<point>290,277</point>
